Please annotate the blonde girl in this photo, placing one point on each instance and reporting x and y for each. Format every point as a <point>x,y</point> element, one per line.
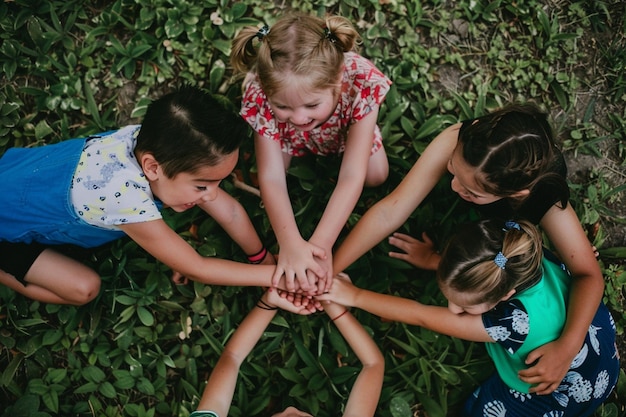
<point>307,91</point>
<point>504,290</point>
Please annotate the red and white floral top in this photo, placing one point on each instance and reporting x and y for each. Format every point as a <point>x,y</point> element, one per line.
<point>363,87</point>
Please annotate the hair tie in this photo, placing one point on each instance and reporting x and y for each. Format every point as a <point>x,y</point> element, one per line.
<point>500,260</point>
<point>329,35</point>
<point>510,224</point>
<point>263,32</point>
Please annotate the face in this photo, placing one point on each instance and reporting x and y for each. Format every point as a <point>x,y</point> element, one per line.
<point>186,190</point>
<point>462,303</point>
<point>464,181</point>
<point>304,110</point>
<point>292,412</point>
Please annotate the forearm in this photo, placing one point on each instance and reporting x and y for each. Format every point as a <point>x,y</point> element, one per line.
<point>233,218</point>
<point>585,296</point>
<point>375,225</point>
<point>435,318</point>
<point>279,211</point>
<point>359,340</point>
<point>339,207</point>
<point>218,394</point>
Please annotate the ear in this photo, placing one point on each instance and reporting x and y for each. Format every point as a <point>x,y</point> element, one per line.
<point>521,194</point>
<point>149,166</point>
<point>508,295</point>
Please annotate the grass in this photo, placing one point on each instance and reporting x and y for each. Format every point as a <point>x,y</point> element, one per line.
<point>144,346</point>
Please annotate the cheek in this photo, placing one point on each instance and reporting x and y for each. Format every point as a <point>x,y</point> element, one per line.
<point>281,115</point>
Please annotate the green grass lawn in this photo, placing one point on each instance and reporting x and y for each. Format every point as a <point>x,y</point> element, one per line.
<point>144,347</point>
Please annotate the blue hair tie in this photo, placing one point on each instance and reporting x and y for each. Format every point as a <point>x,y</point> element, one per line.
<point>511,225</point>
<point>263,32</point>
<point>500,260</point>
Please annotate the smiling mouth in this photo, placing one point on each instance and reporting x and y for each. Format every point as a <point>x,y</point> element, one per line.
<point>304,126</point>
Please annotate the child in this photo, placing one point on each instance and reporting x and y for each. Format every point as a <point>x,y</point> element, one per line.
<point>505,162</point>
<point>501,291</point>
<point>220,387</point>
<point>91,191</point>
<point>308,92</point>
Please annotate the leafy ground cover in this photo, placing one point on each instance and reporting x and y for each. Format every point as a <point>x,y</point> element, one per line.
<point>145,346</point>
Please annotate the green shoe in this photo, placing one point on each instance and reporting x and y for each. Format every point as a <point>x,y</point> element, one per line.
<point>203,414</point>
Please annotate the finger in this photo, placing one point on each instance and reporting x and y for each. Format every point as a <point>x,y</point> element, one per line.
<point>290,281</point>
<point>398,255</point>
<point>400,244</point>
<point>544,389</point>
<point>327,284</point>
<point>404,237</point>
<point>426,238</point>
<point>278,273</point>
<point>319,252</point>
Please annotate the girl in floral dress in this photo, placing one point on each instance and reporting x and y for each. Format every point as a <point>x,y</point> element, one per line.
<point>307,91</point>
<point>505,290</point>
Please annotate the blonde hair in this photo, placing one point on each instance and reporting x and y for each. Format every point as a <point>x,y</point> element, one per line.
<point>468,263</point>
<point>308,47</point>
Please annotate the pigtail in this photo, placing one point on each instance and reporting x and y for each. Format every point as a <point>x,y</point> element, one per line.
<point>340,32</point>
<point>487,259</point>
<point>243,56</point>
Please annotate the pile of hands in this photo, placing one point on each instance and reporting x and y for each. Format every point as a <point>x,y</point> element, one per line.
<point>299,301</point>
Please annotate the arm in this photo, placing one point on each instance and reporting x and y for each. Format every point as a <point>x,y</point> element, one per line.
<point>391,212</point>
<point>564,230</point>
<point>167,246</point>
<point>218,393</point>
<point>438,319</point>
<point>296,255</point>
<point>349,186</point>
<point>365,392</point>
<point>233,218</point>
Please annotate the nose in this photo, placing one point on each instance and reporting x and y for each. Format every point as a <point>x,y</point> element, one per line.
<point>455,309</point>
<point>299,117</point>
<point>454,184</point>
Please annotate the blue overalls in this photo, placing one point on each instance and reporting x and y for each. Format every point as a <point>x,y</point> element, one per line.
<point>35,197</point>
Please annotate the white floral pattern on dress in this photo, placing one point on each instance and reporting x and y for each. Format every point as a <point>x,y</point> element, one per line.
<point>601,385</point>
<point>363,88</point>
<point>494,409</point>
<point>520,321</point>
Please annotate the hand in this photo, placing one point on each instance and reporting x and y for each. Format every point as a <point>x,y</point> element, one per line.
<point>294,260</point>
<point>323,283</point>
<point>342,291</point>
<point>178,278</point>
<point>276,297</point>
<point>419,253</point>
<point>552,363</point>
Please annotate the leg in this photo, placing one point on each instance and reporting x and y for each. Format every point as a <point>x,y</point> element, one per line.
<point>57,279</point>
<point>377,169</point>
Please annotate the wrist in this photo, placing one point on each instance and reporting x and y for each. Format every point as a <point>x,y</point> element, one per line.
<point>258,257</point>
<point>264,304</point>
<point>340,315</point>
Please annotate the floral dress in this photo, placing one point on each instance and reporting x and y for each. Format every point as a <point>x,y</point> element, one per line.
<point>363,88</point>
<point>511,324</point>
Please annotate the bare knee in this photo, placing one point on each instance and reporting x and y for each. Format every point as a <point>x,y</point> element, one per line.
<point>376,177</point>
<point>377,170</point>
<point>87,288</point>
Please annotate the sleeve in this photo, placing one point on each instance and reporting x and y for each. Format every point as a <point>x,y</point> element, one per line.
<point>507,324</point>
<point>369,86</point>
<point>256,111</point>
